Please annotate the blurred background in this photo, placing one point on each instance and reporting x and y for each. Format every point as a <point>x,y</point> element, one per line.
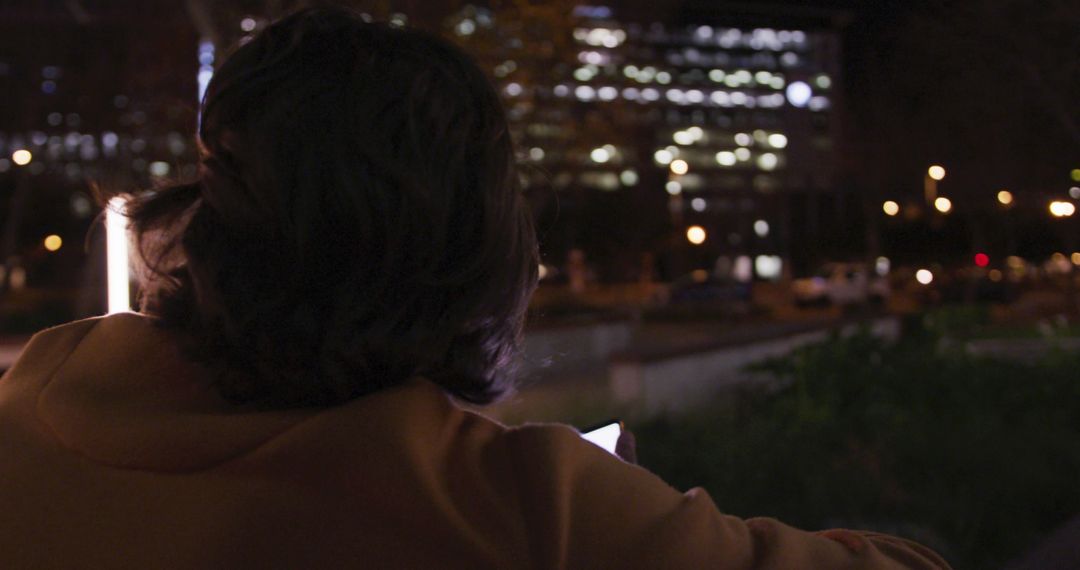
<point>822,255</point>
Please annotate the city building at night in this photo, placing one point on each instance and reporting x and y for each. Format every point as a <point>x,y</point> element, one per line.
<point>710,122</point>
<point>633,125</point>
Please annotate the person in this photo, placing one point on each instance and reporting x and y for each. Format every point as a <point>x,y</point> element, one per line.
<point>354,260</point>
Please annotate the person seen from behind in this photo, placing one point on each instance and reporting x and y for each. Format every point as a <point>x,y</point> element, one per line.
<point>354,260</point>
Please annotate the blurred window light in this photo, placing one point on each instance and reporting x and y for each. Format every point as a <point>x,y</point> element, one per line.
<point>584,92</point>
<point>536,153</point>
<point>721,98</point>
<point>743,270</point>
<point>818,103</point>
<point>798,93</point>
<point>823,81</point>
<point>663,78</point>
<point>725,158</point>
<point>248,24</point>
<point>743,154</point>
<point>768,161</point>
<point>1075,174</point>
<point>1074,192</point>
<point>1075,257</point>
<point>663,156</point>
<point>650,94</point>
<point>768,266</point>
<point>679,166</point>
<point>743,139</point>
<point>673,187</point>
<point>882,265</point>
<point>924,276</point>
<point>159,168</point>
<point>696,235</point>
<point>761,228</point>
<point>695,96</point>
<point>716,75</point>
<point>777,140</point>
<point>628,177</point>
<point>683,138</point>
<point>607,93</point>
<point>600,155</point>
<point>22,157</point>
<point>890,208</point>
<point>698,204</point>
<point>943,205</point>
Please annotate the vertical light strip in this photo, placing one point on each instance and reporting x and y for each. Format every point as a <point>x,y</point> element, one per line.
<point>116,246</point>
<point>206,71</point>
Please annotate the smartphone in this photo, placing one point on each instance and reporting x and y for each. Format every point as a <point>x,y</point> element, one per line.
<point>606,434</point>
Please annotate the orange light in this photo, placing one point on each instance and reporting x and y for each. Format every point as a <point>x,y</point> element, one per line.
<point>53,242</point>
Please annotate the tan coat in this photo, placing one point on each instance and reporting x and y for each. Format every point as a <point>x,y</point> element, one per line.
<point>116,453</point>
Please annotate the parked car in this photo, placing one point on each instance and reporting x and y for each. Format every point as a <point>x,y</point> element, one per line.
<point>841,284</point>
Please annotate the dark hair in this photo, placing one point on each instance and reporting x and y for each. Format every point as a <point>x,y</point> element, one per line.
<point>357,220</point>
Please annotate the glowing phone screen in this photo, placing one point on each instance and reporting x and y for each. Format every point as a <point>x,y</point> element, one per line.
<point>606,436</point>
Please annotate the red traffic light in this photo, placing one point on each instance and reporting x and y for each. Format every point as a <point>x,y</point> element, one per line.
<point>982,260</point>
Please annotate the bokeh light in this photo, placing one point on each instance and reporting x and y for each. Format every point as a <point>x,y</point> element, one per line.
<point>936,172</point>
<point>890,208</point>
<point>924,276</point>
<point>943,205</point>
<point>1005,197</point>
<point>695,235</point>
<point>21,157</point>
<point>53,242</point>
<point>1061,209</point>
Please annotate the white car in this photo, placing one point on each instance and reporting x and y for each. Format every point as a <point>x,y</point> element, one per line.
<point>841,284</point>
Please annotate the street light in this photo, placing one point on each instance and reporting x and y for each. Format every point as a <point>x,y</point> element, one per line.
<point>1005,197</point>
<point>890,208</point>
<point>943,205</point>
<point>936,172</point>
<point>1061,209</point>
<point>695,235</point>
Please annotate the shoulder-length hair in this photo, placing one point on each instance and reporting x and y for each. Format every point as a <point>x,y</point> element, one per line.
<point>357,220</point>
